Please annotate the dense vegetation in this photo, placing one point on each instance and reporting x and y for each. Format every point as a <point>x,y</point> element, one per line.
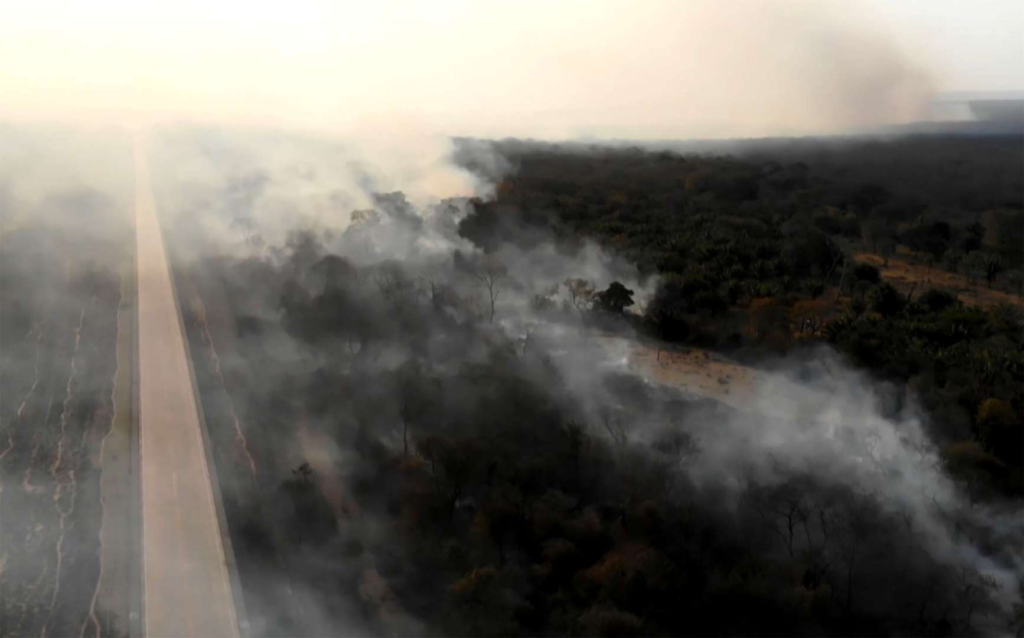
<point>479,501</point>
<point>483,489</point>
<point>756,253</point>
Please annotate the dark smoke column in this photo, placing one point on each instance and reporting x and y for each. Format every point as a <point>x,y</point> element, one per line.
<point>187,589</point>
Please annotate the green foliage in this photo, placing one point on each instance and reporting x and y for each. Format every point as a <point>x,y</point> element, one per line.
<point>886,300</point>
<point>936,300</point>
<point>1001,430</point>
<point>992,266</point>
<point>728,233</point>
<point>866,273</point>
<point>615,299</point>
<point>975,357</point>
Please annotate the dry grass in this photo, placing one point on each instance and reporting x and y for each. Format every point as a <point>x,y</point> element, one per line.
<point>904,276</point>
<point>699,372</point>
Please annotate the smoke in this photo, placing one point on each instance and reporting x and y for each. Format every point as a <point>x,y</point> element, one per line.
<point>331,279</point>
<point>240,189</point>
<point>341,317</point>
<point>345,304</point>
<point>814,416</point>
<point>389,73</point>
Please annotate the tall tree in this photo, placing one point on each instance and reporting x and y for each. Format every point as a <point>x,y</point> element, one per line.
<point>489,272</point>
<point>615,298</point>
<point>581,294</point>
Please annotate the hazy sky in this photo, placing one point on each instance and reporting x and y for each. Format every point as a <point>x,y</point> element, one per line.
<point>642,68</point>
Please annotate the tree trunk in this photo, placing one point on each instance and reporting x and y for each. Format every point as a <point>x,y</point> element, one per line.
<point>842,278</point>
<point>849,586</point>
<point>455,498</point>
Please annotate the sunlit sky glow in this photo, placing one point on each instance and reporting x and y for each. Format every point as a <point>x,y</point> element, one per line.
<point>542,69</point>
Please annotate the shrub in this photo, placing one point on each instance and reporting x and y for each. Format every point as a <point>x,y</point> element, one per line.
<point>936,300</point>
<point>867,272</point>
<point>887,301</point>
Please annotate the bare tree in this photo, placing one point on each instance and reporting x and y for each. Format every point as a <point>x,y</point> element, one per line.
<point>975,595</point>
<point>581,294</point>
<point>303,474</point>
<point>393,284</point>
<point>616,431</point>
<point>838,259</point>
<point>442,297</point>
<point>674,447</point>
<point>364,217</point>
<point>992,266</point>
<point>489,272</point>
<point>783,508</point>
<point>247,227</point>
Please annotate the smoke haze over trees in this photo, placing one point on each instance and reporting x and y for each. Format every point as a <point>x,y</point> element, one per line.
<point>624,373</point>
<point>440,439</point>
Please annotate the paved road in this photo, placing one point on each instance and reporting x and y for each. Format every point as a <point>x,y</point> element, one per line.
<point>187,590</point>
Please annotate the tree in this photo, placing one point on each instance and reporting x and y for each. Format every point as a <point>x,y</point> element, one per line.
<point>974,263</point>
<point>668,311</point>
<point>1006,230</point>
<point>1017,282</point>
<point>615,299</point>
<point>334,270</point>
<point>313,521</point>
<point>441,296</point>
<point>541,304</point>
<point>395,286</point>
<point>768,318</point>
<point>886,301</point>
<point>245,224</point>
<point>992,266</point>
<point>930,239</point>
<point>785,510</point>
<point>809,251</point>
<point>953,259</point>
<point>866,272</point>
<point>875,232</point>
<point>867,197</point>
<point>673,448</point>
<point>842,276</point>
<point>364,217</point>
<point>452,464</point>
<point>415,398</point>
<point>936,300</point>
<point>1018,610</point>
<point>1001,430</point>
<point>616,431</point>
<point>581,294</point>
<point>303,474</point>
<point>886,249</point>
<point>489,272</point>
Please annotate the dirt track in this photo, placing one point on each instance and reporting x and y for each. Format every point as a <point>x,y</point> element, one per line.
<point>186,579</point>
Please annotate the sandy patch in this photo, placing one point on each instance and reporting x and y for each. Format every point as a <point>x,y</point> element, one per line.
<point>699,372</point>
<point>903,275</point>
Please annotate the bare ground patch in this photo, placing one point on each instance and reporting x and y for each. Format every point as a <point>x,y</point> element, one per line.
<point>904,276</point>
